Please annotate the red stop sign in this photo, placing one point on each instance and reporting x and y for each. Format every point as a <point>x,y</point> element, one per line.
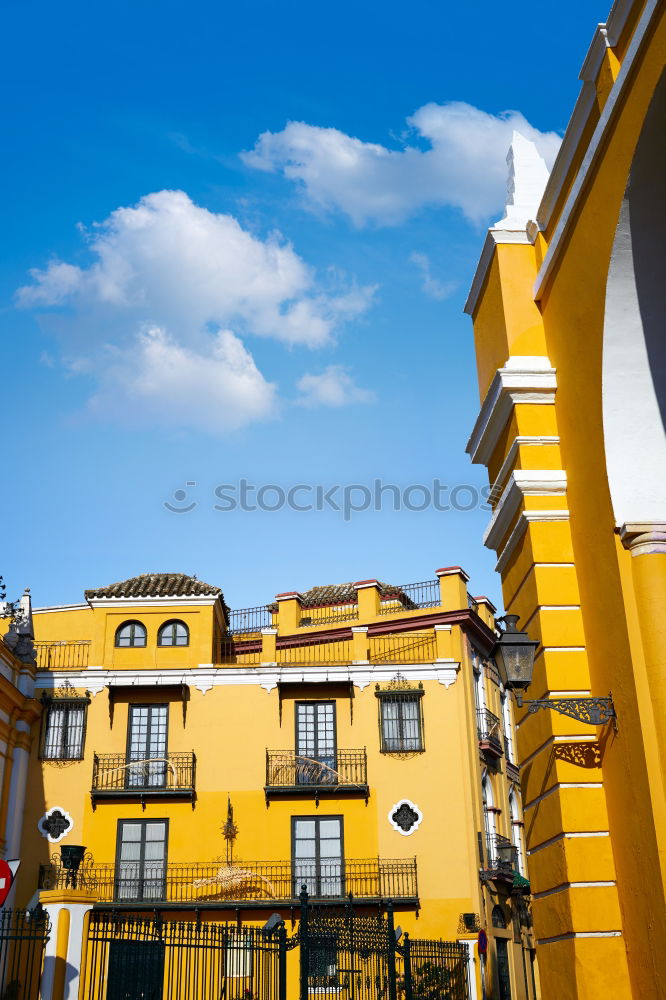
<point>6,879</point>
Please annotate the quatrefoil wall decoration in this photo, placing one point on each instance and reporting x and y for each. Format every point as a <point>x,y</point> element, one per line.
<point>405,817</point>
<point>55,824</point>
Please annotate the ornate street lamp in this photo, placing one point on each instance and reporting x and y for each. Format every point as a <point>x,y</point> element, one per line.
<point>71,856</point>
<point>514,655</point>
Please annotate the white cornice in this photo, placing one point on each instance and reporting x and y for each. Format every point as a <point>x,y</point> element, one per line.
<point>597,144</point>
<point>520,441</point>
<point>493,237</point>
<point>61,607</point>
<point>522,483</point>
<point>207,676</point>
<point>595,55</point>
<point>151,602</point>
<point>526,517</point>
<point>524,379</point>
<point>617,19</point>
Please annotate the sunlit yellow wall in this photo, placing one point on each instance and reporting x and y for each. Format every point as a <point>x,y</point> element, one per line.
<point>577,591</point>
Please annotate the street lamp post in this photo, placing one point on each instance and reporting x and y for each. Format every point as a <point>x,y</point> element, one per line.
<point>514,655</point>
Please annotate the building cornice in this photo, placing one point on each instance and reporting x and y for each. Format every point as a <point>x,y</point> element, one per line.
<point>207,676</point>
<point>151,602</point>
<point>596,145</point>
<point>494,237</point>
<point>523,379</point>
<point>522,483</point>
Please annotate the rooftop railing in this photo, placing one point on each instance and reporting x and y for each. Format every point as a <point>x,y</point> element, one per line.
<point>403,647</point>
<point>411,597</point>
<point>64,654</point>
<point>116,776</point>
<point>250,621</point>
<point>219,882</point>
<point>339,651</point>
<point>312,617</point>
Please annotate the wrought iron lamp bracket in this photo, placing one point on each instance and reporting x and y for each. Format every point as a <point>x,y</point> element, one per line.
<point>591,711</point>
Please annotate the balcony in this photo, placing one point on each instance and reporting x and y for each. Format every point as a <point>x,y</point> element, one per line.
<point>289,773</point>
<point>66,654</point>
<point>171,775</point>
<point>247,884</point>
<point>502,860</point>
<point>489,731</point>
<point>411,597</point>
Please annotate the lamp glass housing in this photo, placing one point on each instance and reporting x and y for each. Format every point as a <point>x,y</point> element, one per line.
<point>514,655</point>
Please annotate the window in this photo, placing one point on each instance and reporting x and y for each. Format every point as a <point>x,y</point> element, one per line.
<point>317,855</point>
<point>517,830</point>
<point>489,822</point>
<point>147,731</point>
<point>173,634</point>
<point>508,729</point>
<point>131,634</point>
<point>401,721</point>
<point>141,860</point>
<point>63,729</point>
<point>315,743</point>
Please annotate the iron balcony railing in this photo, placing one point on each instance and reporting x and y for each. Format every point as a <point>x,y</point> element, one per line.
<point>63,655</point>
<point>315,651</point>
<point>250,620</point>
<point>502,855</point>
<point>220,882</point>
<point>115,775</point>
<point>244,653</point>
<point>403,647</point>
<point>489,730</point>
<point>410,597</point>
<point>343,771</point>
<point>312,617</point>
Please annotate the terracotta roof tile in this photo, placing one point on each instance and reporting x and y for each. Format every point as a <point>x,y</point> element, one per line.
<point>157,585</point>
<point>343,593</point>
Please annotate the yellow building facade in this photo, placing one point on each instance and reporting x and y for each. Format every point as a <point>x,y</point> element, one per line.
<point>568,311</point>
<point>353,739</point>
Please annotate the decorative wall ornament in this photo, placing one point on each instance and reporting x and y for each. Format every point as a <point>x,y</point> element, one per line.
<point>55,824</point>
<point>405,817</point>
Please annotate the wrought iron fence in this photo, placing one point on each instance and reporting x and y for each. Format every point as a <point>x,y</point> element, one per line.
<point>260,881</point>
<point>182,959</point>
<point>23,937</point>
<point>250,620</point>
<point>227,649</point>
<point>489,728</point>
<point>116,775</point>
<point>63,655</point>
<point>403,647</point>
<point>432,970</point>
<point>410,597</point>
<point>345,769</point>
<point>328,615</point>
<point>316,651</point>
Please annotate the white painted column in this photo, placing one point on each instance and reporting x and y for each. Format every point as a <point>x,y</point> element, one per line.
<point>69,952</point>
<point>471,967</point>
<point>77,913</point>
<point>16,801</point>
<point>48,969</point>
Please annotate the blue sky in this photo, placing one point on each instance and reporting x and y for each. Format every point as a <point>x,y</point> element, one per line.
<point>195,290</point>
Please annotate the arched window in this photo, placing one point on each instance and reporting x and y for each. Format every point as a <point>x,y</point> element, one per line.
<point>173,633</point>
<point>489,818</point>
<point>517,829</point>
<point>131,634</point>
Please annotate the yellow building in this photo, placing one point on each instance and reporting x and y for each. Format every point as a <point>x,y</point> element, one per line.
<point>568,311</point>
<point>352,739</point>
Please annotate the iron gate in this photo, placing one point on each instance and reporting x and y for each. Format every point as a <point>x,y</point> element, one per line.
<point>139,958</point>
<point>339,954</point>
<point>355,956</point>
<point>23,937</point>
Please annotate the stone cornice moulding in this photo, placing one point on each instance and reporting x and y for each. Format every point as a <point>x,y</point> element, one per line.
<point>268,676</point>
<point>522,483</point>
<point>151,602</point>
<point>643,538</point>
<point>523,379</point>
<point>597,142</point>
<point>526,517</point>
<point>494,237</point>
<point>524,441</point>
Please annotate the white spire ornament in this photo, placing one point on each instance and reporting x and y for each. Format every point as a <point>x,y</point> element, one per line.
<point>528,176</point>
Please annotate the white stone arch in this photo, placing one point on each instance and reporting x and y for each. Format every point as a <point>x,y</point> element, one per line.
<point>634,343</point>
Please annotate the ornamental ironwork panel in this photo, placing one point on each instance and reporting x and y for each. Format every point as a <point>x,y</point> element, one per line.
<point>23,937</point>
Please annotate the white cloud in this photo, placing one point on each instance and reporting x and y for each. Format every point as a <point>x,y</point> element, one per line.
<point>333,387</point>
<point>156,316</point>
<point>217,391</point>
<point>432,287</point>
<point>463,164</point>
